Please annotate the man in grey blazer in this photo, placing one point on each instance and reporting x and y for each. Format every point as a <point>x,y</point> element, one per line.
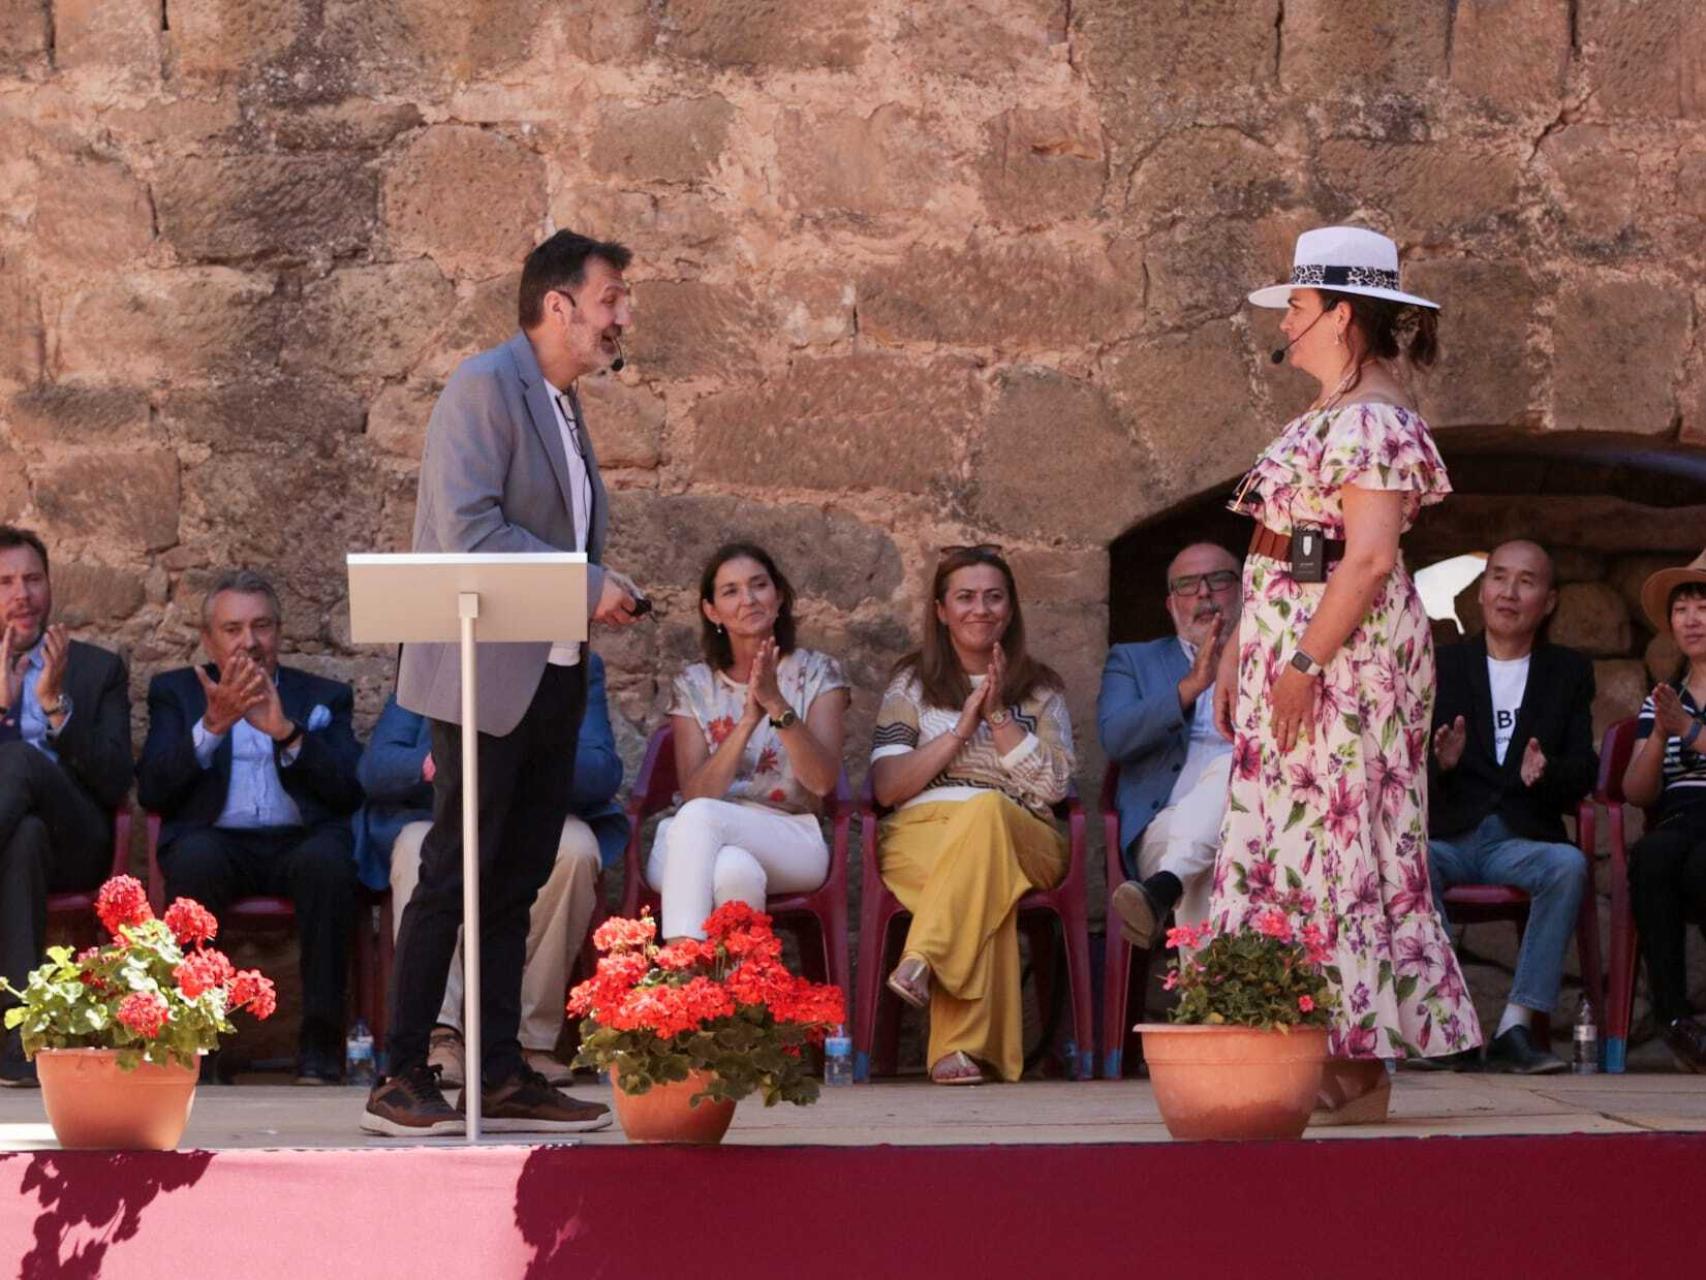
<point>508,467</point>
<point>1155,715</point>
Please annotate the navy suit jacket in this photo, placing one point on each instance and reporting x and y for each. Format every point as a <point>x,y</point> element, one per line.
<point>1144,731</point>
<point>172,783</point>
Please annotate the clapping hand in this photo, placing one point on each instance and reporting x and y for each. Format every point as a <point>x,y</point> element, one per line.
<point>55,649</point>
<point>972,712</point>
<point>995,683</point>
<point>11,669</point>
<point>1206,664</point>
<point>267,714</point>
<point>1672,716</point>
<point>1449,741</point>
<point>761,683</point>
<point>242,685</point>
<point>1533,763</point>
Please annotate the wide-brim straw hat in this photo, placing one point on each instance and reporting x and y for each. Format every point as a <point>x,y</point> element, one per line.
<point>1346,260</point>
<point>1655,591</point>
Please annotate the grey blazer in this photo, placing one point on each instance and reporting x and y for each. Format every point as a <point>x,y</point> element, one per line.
<point>494,478</point>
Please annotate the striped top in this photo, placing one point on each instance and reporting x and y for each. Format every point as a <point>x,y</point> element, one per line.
<point>1684,771</point>
<point>1035,774</point>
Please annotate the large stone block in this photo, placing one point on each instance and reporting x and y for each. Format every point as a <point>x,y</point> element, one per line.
<point>1618,345</point>
<point>885,162</point>
<point>77,413</point>
<point>92,216</point>
<point>677,140</point>
<point>86,593</point>
<point>1629,573</point>
<point>1592,617</point>
<point>1055,460</point>
<point>471,199</point>
<point>1025,295</point>
<point>1202,270</point>
<point>665,540</point>
<point>776,35</point>
<point>980,39</point>
<point>1202,174</point>
<point>1619,689</point>
<point>397,418</point>
<point>626,421</point>
<point>1662,658</point>
<point>611,31</point>
<point>108,34</point>
<point>1643,59</point>
<point>1596,187</point>
<point>220,38</point>
<point>398,44</point>
<point>1423,189</point>
<point>26,33</point>
<point>1041,166</point>
<point>814,307</point>
<point>159,326</point>
<point>250,413</point>
<point>14,484</point>
<point>1329,49</point>
<point>1482,377</point>
<point>231,208</point>
<point>484,316</point>
<point>1188,398</point>
<point>1511,55</point>
<point>368,322</point>
<point>687,328</point>
<point>1061,575</point>
<point>125,500</point>
<point>21,337</point>
<point>857,422</point>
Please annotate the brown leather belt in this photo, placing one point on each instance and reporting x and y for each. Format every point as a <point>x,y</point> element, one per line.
<point>1277,546</point>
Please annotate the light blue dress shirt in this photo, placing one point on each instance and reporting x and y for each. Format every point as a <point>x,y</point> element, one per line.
<point>32,724</point>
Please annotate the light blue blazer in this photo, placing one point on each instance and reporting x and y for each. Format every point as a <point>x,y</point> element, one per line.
<point>1143,730</point>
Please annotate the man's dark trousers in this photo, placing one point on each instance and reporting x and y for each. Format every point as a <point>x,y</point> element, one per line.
<point>526,781</point>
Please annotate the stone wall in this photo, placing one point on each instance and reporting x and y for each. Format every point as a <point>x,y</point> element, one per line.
<point>909,272</point>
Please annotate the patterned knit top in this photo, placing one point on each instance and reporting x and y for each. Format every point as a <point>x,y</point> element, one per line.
<point>1035,774</point>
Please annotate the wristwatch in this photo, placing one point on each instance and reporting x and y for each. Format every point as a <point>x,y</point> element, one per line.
<point>297,733</point>
<point>787,720</point>
<point>1000,718</point>
<point>60,708</point>
<point>1304,663</point>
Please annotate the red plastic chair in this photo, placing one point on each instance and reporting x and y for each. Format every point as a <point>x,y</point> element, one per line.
<point>1484,903</point>
<point>1118,953</point>
<point>73,913</point>
<point>876,1018</point>
<point>1614,757</point>
<point>823,910</point>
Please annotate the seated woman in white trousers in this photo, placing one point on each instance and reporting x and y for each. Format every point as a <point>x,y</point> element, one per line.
<point>758,737</point>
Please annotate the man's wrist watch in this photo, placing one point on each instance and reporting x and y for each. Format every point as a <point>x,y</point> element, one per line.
<point>787,720</point>
<point>297,732</point>
<point>57,709</point>
<point>1304,663</point>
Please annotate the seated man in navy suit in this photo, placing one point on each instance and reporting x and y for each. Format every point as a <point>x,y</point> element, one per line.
<point>253,768</point>
<point>1155,714</point>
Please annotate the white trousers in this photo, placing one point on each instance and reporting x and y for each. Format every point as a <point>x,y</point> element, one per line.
<point>717,851</point>
<point>1184,837</point>
<point>556,927</point>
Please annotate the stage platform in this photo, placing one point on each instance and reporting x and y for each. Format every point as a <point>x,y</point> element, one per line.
<point>1560,1176</point>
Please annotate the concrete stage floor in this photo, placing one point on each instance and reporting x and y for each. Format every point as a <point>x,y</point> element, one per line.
<point>906,1113</point>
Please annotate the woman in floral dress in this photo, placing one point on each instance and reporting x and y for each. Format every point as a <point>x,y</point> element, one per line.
<point>758,737</point>
<point>1328,695</point>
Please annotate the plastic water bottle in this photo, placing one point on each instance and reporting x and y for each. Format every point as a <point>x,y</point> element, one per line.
<point>1585,1061</point>
<point>838,1058</point>
<point>358,1055</point>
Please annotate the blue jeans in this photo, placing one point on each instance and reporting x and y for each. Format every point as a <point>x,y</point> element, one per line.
<point>1554,877</point>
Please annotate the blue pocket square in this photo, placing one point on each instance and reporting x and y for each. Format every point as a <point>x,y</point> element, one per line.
<point>319,717</point>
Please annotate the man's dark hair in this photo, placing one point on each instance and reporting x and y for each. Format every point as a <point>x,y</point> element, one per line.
<point>12,537</point>
<point>560,263</point>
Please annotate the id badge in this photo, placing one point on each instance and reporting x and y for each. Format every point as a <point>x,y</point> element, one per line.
<point>1308,554</point>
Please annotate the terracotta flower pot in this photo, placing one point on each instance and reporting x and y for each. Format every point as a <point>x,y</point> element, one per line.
<point>1234,1082</point>
<point>92,1103</point>
<point>664,1113</point>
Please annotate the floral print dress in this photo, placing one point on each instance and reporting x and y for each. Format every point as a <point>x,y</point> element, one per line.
<point>1337,829</point>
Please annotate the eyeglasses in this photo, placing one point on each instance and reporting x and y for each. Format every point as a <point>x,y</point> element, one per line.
<point>1191,584</point>
<point>975,549</point>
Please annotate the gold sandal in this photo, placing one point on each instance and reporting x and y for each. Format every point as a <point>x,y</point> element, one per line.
<point>911,981</point>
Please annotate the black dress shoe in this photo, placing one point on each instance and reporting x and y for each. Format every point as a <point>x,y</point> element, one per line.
<point>17,1072</point>
<point>1462,1060</point>
<point>1515,1053</point>
<point>1686,1040</point>
<point>318,1067</point>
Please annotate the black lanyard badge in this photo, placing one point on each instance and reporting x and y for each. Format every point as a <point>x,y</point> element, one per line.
<point>1308,554</point>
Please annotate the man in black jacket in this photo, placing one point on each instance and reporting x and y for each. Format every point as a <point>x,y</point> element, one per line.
<point>64,765</point>
<point>252,767</point>
<point>1512,754</point>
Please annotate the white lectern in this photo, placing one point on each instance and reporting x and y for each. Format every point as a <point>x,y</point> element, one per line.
<point>468,599</point>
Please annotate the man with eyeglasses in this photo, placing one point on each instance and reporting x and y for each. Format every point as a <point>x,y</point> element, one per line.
<point>1155,715</point>
<point>508,466</point>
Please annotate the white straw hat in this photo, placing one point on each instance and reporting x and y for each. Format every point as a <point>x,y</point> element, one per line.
<point>1346,260</point>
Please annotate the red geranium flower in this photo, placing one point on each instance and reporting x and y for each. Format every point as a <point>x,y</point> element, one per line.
<point>252,990</point>
<point>122,901</point>
<point>621,934</point>
<point>206,970</point>
<point>190,922</point>
<point>144,1013</point>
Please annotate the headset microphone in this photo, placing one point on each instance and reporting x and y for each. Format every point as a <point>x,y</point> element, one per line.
<point>1278,353</point>
<point>621,361</point>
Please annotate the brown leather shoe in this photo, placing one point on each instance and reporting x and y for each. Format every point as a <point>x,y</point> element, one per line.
<point>410,1106</point>
<point>525,1103</point>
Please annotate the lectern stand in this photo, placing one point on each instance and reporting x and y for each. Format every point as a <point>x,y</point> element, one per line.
<point>468,599</point>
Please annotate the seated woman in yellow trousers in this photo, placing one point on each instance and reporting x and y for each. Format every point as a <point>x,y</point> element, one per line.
<point>973,745</point>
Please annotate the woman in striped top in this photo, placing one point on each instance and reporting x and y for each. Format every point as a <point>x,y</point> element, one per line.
<point>1667,869</point>
<point>973,746</point>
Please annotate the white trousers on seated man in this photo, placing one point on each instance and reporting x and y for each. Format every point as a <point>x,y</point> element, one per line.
<point>556,927</point>
<point>1184,837</point>
<point>717,851</point>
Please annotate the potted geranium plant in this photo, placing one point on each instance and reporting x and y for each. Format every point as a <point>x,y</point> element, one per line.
<point>117,1031</point>
<point>1243,1054</point>
<point>689,1028</point>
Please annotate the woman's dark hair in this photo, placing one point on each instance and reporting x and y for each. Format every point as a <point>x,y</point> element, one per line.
<point>713,642</point>
<point>1683,591</point>
<point>944,682</point>
<point>1388,329</point>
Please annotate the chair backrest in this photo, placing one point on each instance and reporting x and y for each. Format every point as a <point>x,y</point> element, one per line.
<point>1614,756</point>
